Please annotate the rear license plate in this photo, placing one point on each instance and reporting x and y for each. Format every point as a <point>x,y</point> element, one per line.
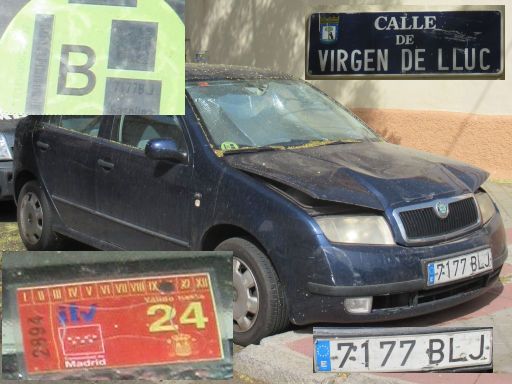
<point>459,267</point>
<point>412,352</point>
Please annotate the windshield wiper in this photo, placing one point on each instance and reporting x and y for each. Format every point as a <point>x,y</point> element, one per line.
<point>345,141</point>
<point>279,146</point>
<point>250,150</point>
<point>321,143</point>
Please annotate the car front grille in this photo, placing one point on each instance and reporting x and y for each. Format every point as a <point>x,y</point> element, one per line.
<point>413,299</point>
<point>423,223</point>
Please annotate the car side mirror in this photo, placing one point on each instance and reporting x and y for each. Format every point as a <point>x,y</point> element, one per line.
<point>165,149</point>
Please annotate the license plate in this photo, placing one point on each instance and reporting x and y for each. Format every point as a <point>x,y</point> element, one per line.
<point>411,352</point>
<point>459,267</point>
<point>120,323</point>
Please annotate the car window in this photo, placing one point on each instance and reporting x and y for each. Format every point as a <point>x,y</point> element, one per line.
<point>136,131</point>
<point>87,125</point>
<point>258,113</point>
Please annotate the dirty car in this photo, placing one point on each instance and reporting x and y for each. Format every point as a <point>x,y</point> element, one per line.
<point>7,129</point>
<point>327,221</point>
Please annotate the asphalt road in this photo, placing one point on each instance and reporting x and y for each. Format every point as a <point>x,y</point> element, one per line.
<point>9,237</point>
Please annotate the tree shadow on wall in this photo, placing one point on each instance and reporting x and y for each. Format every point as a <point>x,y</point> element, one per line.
<point>389,136</point>
<point>376,120</point>
<point>271,34</point>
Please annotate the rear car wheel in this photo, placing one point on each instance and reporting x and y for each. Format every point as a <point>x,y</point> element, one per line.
<point>35,219</point>
<point>259,302</point>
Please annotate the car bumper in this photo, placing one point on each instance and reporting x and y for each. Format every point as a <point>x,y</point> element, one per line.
<point>6,180</point>
<point>395,278</point>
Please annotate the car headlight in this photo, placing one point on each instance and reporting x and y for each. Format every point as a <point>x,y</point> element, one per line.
<point>486,205</point>
<point>5,153</point>
<point>356,229</point>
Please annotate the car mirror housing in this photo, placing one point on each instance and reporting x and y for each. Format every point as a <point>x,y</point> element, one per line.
<point>165,149</point>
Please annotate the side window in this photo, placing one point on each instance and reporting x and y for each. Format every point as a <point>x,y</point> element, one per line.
<point>136,131</point>
<point>53,120</point>
<point>87,125</point>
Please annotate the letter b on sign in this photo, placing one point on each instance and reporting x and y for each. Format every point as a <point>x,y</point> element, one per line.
<point>84,70</point>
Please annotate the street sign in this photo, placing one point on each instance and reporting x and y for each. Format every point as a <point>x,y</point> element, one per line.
<point>93,57</point>
<point>405,44</point>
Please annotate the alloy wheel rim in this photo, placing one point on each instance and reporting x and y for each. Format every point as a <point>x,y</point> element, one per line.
<point>31,217</point>
<point>245,297</point>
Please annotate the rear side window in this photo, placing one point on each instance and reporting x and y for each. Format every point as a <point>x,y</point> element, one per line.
<point>87,125</point>
<point>136,131</point>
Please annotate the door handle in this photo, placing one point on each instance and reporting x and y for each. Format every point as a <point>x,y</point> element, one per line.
<point>42,145</point>
<point>105,164</point>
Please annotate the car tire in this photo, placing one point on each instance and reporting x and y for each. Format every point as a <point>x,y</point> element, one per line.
<point>35,219</point>
<point>255,282</point>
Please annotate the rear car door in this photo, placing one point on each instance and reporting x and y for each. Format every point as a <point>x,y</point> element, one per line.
<point>65,148</point>
<point>146,203</point>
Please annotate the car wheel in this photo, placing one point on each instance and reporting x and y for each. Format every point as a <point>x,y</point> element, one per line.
<point>259,302</point>
<point>35,220</point>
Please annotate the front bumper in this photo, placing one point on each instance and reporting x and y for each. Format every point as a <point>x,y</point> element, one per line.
<point>395,278</point>
<point>6,180</point>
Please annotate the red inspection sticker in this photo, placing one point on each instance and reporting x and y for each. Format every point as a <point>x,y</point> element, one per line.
<point>119,323</point>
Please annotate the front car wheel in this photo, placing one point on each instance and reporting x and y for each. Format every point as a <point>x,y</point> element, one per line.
<point>259,302</point>
<point>31,218</point>
<point>246,297</point>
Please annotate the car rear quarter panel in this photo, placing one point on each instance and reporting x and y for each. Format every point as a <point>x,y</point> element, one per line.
<point>25,166</point>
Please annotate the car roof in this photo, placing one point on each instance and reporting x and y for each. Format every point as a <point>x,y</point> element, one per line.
<point>210,72</point>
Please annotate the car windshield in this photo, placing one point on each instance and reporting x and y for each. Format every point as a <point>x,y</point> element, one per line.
<point>266,114</point>
<point>272,113</point>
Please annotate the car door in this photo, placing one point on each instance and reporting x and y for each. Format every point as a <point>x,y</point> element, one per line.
<point>146,202</point>
<point>65,148</point>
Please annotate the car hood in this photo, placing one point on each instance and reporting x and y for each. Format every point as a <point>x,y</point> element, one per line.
<point>375,175</point>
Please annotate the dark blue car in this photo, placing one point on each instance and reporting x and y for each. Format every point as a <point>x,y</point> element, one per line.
<point>7,128</point>
<point>327,222</point>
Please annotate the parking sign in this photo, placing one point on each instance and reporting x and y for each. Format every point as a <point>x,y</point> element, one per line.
<point>93,57</point>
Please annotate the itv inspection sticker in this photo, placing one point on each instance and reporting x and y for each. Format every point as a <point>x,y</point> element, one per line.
<point>93,57</point>
<point>119,323</point>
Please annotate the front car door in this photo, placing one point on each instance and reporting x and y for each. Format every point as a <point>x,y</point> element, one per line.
<point>146,202</point>
<point>65,149</point>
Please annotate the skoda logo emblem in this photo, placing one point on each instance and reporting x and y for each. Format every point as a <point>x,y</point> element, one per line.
<point>441,209</point>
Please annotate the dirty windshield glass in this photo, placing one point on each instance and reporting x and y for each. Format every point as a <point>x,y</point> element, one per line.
<point>262,113</point>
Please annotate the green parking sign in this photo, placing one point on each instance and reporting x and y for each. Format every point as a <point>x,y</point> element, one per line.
<point>93,57</point>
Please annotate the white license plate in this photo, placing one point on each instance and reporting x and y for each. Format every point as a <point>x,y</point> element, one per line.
<point>413,352</point>
<point>459,267</point>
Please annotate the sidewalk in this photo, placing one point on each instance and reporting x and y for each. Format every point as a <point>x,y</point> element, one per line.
<point>288,357</point>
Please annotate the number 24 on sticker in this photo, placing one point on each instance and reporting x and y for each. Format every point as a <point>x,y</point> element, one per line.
<point>193,314</point>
